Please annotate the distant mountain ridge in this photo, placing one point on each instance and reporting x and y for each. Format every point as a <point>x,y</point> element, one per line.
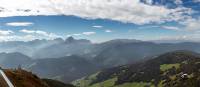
<point>65,69</point>
<point>59,47</point>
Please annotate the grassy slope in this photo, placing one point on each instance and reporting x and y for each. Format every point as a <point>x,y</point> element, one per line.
<point>169,68</point>
<point>165,67</point>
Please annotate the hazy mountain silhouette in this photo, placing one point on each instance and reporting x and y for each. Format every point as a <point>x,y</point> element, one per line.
<point>65,69</point>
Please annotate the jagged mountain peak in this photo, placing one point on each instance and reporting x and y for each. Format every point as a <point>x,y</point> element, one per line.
<point>73,40</point>
<point>70,39</point>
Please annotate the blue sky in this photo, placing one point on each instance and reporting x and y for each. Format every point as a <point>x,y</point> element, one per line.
<point>99,20</point>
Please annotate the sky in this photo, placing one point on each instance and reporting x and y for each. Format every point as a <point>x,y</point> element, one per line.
<point>100,20</point>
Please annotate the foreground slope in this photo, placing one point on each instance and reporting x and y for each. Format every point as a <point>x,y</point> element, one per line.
<point>21,78</point>
<point>173,69</point>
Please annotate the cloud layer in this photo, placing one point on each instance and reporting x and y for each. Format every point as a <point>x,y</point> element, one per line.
<point>127,11</point>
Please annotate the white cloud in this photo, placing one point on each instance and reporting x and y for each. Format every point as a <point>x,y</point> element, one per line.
<point>19,24</point>
<point>88,33</point>
<point>25,38</point>
<point>108,31</point>
<point>170,27</point>
<point>191,24</point>
<point>52,36</point>
<point>17,38</point>
<point>7,35</point>
<point>34,32</point>
<point>83,33</point>
<point>97,26</point>
<point>42,33</point>
<point>127,11</point>
<point>6,32</point>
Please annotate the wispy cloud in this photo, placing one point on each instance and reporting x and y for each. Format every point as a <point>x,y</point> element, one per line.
<point>88,33</point>
<point>27,31</point>
<point>83,33</point>
<point>76,34</point>
<point>17,38</point>
<point>108,31</point>
<point>170,27</point>
<point>34,32</point>
<point>19,24</point>
<point>40,32</point>
<point>9,35</point>
<point>97,26</point>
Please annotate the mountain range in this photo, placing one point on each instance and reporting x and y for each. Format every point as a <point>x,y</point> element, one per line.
<point>70,59</point>
<point>56,48</point>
